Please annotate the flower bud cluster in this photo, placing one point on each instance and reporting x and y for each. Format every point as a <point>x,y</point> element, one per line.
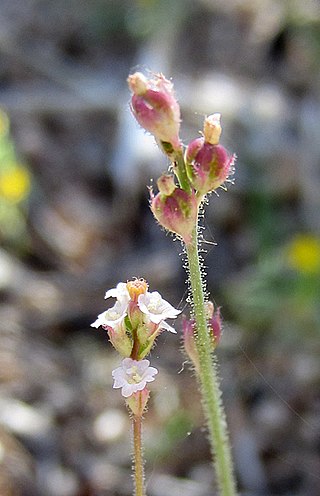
<point>190,331</point>
<point>204,167</point>
<point>133,323</point>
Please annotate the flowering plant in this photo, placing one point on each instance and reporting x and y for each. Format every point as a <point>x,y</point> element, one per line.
<point>139,316</point>
<point>194,172</point>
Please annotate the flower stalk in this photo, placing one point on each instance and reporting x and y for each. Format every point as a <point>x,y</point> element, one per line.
<point>180,171</point>
<point>138,456</point>
<point>208,377</point>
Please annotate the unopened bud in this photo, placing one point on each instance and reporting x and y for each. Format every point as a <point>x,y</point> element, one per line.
<point>189,333</point>
<point>214,323</point>
<point>189,341</point>
<point>156,109</point>
<point>177,212</point>
<point>208,166</point>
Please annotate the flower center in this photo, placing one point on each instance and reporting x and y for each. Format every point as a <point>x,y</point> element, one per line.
<point>113,314</point>
<point>133,376</point>
<point>153,305</point>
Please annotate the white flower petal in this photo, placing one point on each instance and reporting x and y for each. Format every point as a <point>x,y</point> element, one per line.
<point>119,382</point>
<point>120,292</point>
<point>128,390</point>
<point>100,320</point>
<point>111,317</point>
<point>157,309</point>
<point>142,365</point>
<point>149,377</point>
<point>141,385</point>
<point>119,377</point>
<point>116,314</point>
<point>167,327</point>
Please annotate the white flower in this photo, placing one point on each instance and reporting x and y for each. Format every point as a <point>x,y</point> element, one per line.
<point>133,375</point>
<point>117,313</point>
<point>120,292</point>
<point>112,316</point>
<point>156,308</point>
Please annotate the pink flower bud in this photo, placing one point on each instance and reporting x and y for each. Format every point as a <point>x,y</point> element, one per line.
<point>189,333</point>
<point>214,323</point>
<point>208,165</point>
<point>177,212</point>
<point>155,107</point>
<point>189,341</point>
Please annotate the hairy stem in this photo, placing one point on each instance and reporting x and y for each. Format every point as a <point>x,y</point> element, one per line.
<point>137,456</point>
<point>209,380</point>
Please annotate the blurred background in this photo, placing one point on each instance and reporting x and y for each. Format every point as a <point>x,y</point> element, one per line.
<point>74,221</point>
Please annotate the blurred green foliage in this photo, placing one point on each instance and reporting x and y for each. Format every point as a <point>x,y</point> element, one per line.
<point>176,428</point>
<point>279,295</point>
<point>136,20</point>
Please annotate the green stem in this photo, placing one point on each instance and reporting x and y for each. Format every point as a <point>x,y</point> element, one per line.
<point>138,458</point>
<point>208,377</point>
<point>180,171</point>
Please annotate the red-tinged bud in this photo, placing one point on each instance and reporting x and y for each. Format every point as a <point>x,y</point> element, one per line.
<point>137,402</point>
<point>208,164</point>
<point>156,109</point>
<point>189,341</point>
<point>214,323</point>
<point>177,212</point>
<point>189,333</point>
<point>193,149</point>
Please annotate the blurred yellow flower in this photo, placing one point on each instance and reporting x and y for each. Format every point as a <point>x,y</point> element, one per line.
<point>304,253</point>
<point>15,184</point>
<point>4,123</point>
